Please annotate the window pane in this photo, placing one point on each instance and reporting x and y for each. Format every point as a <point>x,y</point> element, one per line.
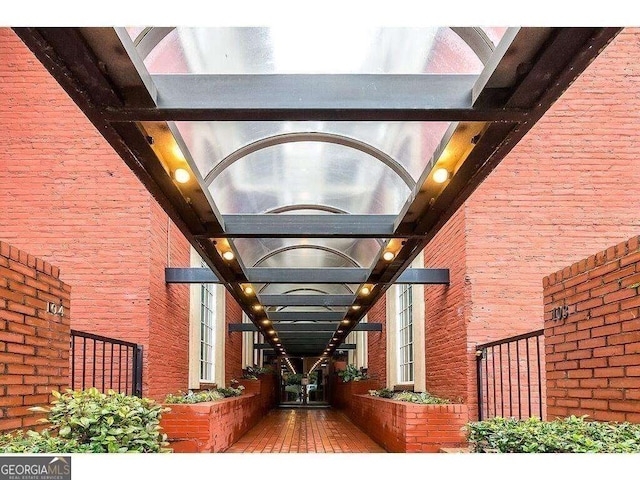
<point>405,333</point>
<point>207,330</point>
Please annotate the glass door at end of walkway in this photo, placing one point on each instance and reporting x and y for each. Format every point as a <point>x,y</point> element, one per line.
<point>301,384</point>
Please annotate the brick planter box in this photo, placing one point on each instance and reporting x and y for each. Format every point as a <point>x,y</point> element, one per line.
<point>211,426</point>
<point>341,393</point>
<point>410,427</point>
<point>265,387</point>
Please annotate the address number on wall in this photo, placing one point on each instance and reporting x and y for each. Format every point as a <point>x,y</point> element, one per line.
<point>55,309</point>
<point>560,313</point>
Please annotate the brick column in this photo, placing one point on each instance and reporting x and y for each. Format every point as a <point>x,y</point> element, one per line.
<point>34,343</point>
<point>592,330</point>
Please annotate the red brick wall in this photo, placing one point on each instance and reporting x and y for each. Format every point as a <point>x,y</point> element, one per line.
<point>34,344</point>
<point>69,199</point>
<point>169,309</point>
<point>593,355</point>
<point>377,342</point>
<point>233,341</point>
<point>446,313</point>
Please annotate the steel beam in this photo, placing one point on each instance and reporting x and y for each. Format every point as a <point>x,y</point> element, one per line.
<point>314,91</point>
<point>424,276</point>
<point>307,300</point>
<point>309,226</point>
<point>305,316</point>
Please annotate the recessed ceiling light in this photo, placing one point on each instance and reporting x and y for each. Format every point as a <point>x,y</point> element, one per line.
<point>266,321</point>
<point>345,322</point>
<point>257,307</point>
<point>228,255</point>
<point>441,175</point>
<point>248,290</point>
<point>355,307</point>
<point>389,255</point>
<point>271,332</point>
<point>181,175</point>
<point>365,290</point>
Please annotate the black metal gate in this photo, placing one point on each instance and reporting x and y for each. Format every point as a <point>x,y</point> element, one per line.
<point>105,363</point>
<point>510,377</point>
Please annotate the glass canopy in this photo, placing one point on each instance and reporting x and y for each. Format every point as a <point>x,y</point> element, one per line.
<point>310,165</point>
<point>311,168</point>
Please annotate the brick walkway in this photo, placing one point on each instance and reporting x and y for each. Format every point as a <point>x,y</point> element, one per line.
<point>305,431</point>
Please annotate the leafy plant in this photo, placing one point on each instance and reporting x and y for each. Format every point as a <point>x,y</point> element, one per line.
<point>569,435</point>
<point>193,397</point>
<point>91,421</point>
<point>39,442</point>
<point>231,392</point>
<point>205,396</point>
<point>352,373</point>
<point>424,398</point>
<point>252,373</point>
<point>382,393</point>
<point>296,379</point>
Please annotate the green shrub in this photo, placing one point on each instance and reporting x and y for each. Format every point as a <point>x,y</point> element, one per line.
<point>39,442</point>
<point>424,398</point>
<point>569,435</point>
<point>296,379</point>
<point>352,374</point>
<point>204,396</point>
<point>252,373</point>
<point>91,421</point>
<point>382,393</point>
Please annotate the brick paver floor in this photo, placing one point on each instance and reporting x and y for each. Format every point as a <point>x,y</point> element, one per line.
<point>305,431</point>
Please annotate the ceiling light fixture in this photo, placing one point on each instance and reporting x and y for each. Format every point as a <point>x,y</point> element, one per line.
<point>441,175</point>
<point>257,307</point>
<point>181,175</point>
<point>228,255</point>
<point>388,255</point>
<point>365,291</point>
<point>345,322</point>
<point>248,290</point>
<point>355,307</point>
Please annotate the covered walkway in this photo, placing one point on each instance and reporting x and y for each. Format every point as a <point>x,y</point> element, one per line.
<point>305,431</point>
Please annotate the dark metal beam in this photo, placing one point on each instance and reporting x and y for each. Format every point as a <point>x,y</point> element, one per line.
<point>305,316</point>
<point>216,94</point>
<point>305,327</point>
<point>301,348</point>
<point>307,300</point>
<point>309,226</point>
<point>425,276</point>
<point>190,275</point>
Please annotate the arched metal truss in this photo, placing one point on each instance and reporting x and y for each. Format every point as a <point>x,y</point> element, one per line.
<point>332,138</point>
<point>323,248</point>
<point>307,206</point>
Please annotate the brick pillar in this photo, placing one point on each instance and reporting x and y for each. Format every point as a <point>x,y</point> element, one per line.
<point>34,343</point>
<point>592,330</point>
